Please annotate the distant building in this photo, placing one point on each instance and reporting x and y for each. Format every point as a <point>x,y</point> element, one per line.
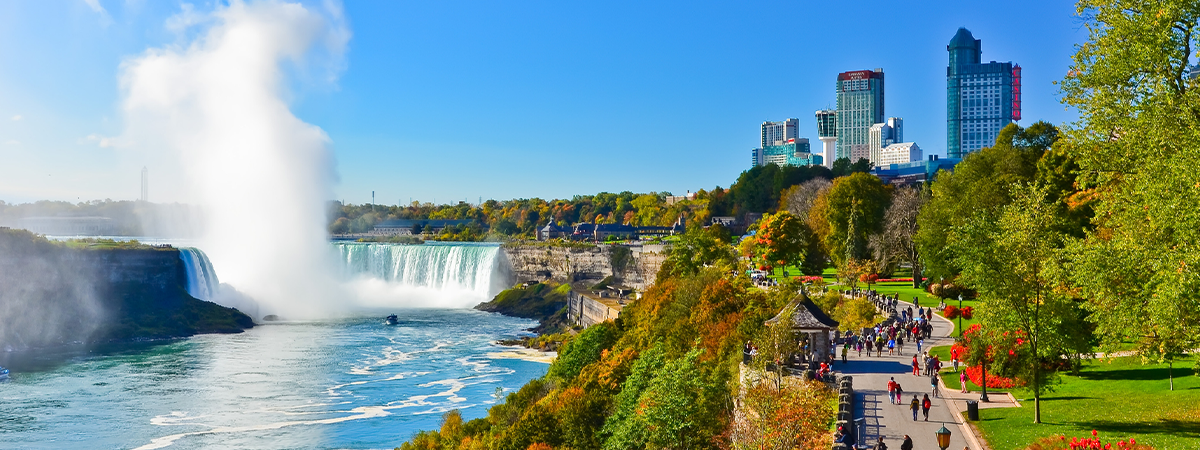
<point>899,153</point>
<point>915,171</point>
<point>859,105</point>
<point>552,231</point>
<point>673,199</point>
<point>981,98</point>
<point>884,134</point>
<point>795,152</point>
<point>414,226</point>
<point>827,133</point>
<point>778,133</point>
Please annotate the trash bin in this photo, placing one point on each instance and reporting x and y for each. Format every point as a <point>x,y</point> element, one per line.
<point>972,410</point>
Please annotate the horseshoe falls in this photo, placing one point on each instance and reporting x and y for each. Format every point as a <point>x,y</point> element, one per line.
<point>434,274</point>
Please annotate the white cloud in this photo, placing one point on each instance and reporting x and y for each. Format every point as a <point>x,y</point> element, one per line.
<point>12,142</point>
<point>186,18</point>
<point>95,5</point>
<point>102,141</point>
<point>17,117</point>
<point>105,19</point>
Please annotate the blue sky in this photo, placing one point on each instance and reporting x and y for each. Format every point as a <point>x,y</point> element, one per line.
<point>448,101</point>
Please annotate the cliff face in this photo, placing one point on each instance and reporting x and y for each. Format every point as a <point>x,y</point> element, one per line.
<point>636,266</point>
<point>51,294</point>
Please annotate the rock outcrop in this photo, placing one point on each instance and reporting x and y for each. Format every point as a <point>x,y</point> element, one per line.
<point>633,265</point>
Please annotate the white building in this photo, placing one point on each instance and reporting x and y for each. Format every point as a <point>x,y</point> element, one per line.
<point>899,154</point>
<point>778,133</point>
<point>884,134</point>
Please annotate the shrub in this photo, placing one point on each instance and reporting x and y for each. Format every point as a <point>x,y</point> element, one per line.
<point>935,289</point>
<point>951,312</point>
<point>967,312</point>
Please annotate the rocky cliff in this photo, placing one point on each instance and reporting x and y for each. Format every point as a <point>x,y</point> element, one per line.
<point>53,293</point>
<point>634,265</point>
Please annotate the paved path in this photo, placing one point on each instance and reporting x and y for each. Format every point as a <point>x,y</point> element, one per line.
<point>892,422</point>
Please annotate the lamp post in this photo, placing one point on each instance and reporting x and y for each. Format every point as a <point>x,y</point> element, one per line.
<point>943,437</point>
<point>960,330</point>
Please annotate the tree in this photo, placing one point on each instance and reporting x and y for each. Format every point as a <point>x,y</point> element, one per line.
<point>698,248</point>
<point>982,181</point>
<point>899,237</point>
<point>794,416</point>
<point>1011,259</point>
<point>1137,141</point>
<point>860,199</point>
<point>782,239</point>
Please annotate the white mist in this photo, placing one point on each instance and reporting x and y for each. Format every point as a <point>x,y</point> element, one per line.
<point>215,106</point>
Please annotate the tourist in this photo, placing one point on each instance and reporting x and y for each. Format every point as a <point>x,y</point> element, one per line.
<point>925,404</point>
<point>915,406</point>
<point>954,362</point>
<point>844,438</point>
<point>899,394</point>
<point>962,379</point>
<point>933,381</point>
<point>891,385</point>
<point>845,350</point>
<point>907,444</point>
<point>880,445</point>
<point>891,346</point>
<point>916,367</point>
<point>900,345</point>
<point>920,342</point>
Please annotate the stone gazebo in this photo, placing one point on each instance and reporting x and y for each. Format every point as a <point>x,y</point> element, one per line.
<point>808,318</point>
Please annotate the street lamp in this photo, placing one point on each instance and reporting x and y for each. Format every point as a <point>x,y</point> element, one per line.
<point>943,437</point>
<point>960,330</point>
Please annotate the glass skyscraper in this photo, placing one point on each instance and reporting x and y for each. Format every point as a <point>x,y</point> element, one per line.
<point>981,98</point>
<point>859,105</point>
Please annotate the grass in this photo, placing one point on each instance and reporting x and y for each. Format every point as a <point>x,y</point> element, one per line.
<point>1120,398</point>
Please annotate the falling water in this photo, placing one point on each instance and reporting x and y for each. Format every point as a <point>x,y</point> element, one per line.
<point>202,280</point>
<point>433,266</point>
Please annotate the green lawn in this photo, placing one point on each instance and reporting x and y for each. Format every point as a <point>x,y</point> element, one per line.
<point>1121,399</point>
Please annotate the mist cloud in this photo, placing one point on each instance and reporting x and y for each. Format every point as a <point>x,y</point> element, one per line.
<point>215,105</point>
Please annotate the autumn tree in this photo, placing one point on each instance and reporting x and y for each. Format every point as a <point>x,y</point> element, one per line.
<point>782,239</point>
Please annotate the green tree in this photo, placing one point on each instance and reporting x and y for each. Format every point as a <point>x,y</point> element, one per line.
<point>700,247</point>
<point>1138,139</point>
<point>1011,258</point>
<point>981,182</point>
<point>583,350</point>
<point>859,198</point>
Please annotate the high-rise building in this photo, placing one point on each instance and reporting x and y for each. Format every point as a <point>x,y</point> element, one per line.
<point>827,132</point>
<point>778,133</point>
<point>794,152</point>
<point>884,134</point>
<point>981,98</point>
<point>859,105</point>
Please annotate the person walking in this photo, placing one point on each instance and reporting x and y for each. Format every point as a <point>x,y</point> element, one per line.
<point>907,444</point>
<point>920,342</point>
<point>845,350</point>
<point>880,445</point>
<point>962,379</point>
<point>915,406</point>
<point>900,344</point>
<point>899,394</point>
<point>916,367</point>
<point>891,347</point>
<point>891,385</point>
<point>933,381</point>
<point>925,404</point>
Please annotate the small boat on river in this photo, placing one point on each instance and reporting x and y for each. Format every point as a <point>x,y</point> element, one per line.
<point>391,320</point>
<point>3,374</point>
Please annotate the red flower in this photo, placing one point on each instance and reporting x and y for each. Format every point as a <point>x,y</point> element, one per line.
<point>1093,432</point>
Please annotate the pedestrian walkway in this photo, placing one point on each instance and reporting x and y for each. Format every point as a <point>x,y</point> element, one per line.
<point>881,418</point>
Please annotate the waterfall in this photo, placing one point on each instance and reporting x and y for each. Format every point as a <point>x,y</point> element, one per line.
<point>461,267</point>
<point>202,280</point>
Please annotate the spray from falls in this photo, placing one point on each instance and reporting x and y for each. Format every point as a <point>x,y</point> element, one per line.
<point>429,275</point>
<point>216,108</point>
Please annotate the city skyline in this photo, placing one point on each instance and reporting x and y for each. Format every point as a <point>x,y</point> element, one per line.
<point>394,105</point>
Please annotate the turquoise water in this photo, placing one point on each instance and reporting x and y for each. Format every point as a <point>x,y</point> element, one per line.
<point>354,384</point>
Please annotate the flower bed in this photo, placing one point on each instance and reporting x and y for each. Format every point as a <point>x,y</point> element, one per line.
<point>892,280</point>
<point>1061,442</point>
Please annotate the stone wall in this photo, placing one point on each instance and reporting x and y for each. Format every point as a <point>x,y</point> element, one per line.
<point>587,311</point>
<point>635,265</point>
